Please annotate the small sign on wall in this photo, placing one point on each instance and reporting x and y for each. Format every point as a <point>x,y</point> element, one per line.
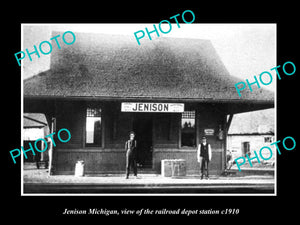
<point>209,132</point>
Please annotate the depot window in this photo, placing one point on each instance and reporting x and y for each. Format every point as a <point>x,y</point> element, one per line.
<point>268,140</point>
<point>188,129</point>
<point>93,131</point>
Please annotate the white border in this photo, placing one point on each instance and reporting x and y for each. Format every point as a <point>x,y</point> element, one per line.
<point>144,194</point>
<point>22,111</point>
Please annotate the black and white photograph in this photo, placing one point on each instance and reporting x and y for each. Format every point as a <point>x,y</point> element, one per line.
<point>164,114</point>
<point>107,111</point>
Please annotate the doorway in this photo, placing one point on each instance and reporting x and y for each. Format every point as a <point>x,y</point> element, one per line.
<point>245,148</point>
<point>142,126</point>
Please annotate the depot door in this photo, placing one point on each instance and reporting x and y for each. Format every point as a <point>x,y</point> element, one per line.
<point>142,126</point>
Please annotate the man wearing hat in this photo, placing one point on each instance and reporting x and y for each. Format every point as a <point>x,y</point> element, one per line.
<point>204,156</point>
<point>130,148</point>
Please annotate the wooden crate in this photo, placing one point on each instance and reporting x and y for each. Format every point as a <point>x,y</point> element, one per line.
<point>173,167</point>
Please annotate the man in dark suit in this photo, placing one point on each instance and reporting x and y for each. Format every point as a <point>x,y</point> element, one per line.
<point>204,156</point>
<point>130,148</point>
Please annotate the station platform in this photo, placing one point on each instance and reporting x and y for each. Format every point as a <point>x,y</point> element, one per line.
<point>37,181</point>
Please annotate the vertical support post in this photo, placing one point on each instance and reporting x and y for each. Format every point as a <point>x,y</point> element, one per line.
<point>224,142</point>
<point>51,147</point>
<point>84,109</point>
<point>228,123</point>
<point>226,129</point>
<point>115,121</point>
<point>179,130</point>
<point>103,119</point>
<point>42,153</point>
<point>197,117</point>
<point>51,121</point>
<point>153,131</point>
<point>170,120</point>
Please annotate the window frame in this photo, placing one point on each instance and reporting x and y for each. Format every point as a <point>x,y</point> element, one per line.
<point>92,145</point>
<point>195,129</point>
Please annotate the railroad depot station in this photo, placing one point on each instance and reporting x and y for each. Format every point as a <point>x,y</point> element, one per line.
<point>169,91</point>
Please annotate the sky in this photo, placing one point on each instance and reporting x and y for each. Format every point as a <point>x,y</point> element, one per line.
<point>245,49</point>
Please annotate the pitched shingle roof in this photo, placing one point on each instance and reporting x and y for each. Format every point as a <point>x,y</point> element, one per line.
<point>115,66</point>
<point>34,120</point>
<point>257,122</point>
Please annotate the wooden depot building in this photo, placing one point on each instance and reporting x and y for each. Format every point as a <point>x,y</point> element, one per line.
<point>170,91</point>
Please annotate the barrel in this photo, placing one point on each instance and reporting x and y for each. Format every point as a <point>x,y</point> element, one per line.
<point>79,169</point>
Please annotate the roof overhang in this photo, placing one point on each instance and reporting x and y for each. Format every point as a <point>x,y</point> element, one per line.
<point>47,103</point>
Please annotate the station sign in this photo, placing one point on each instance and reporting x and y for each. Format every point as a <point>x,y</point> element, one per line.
<point>152,107</point>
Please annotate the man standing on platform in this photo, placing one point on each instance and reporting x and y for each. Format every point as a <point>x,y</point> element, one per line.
<point>130,148</point>
<point>204,156</point>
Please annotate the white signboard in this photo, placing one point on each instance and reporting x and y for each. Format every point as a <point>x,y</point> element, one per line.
<point>152,107</point>
<point>209,132</point>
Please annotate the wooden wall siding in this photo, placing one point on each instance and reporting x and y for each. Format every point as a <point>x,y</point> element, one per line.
<point>209,118</point>
<point>113,161</point>
<point>71,115</point>
<point>166,130</point>
<point>192,166</point>
<point>117,126</point>
<point>212,116</point>
<point>96,161</point>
